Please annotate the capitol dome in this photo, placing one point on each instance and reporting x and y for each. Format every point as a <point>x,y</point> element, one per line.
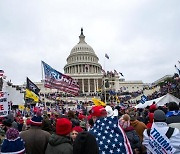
<point>82,59</point>
<point>82,65</point>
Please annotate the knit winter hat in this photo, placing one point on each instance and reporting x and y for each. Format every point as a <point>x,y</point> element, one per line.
<point>124,121</point>
<point>12,144</point>
<point>63,126</point>
<point>98,111</point>
<point>81,116</point>
<point>77,129</point>
<point>159,115</point>
<point>12,134</point>
<point>36,121</point>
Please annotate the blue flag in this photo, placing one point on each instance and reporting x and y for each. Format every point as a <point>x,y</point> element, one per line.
<point>143,99</point>
<point>110,136</point>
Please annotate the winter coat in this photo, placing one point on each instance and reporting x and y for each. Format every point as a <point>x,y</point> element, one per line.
<point>59,145</point>
<point>133,137</point>
<point>139,128</point>
<point>174,139</point>
<point>36,140</point>
<point>173,119</point>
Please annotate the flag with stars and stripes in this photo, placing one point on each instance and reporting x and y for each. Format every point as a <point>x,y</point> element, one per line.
<point>111,137</point>
<point>57,80</point>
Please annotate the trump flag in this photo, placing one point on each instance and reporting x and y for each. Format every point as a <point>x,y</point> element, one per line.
<point>57,80</point>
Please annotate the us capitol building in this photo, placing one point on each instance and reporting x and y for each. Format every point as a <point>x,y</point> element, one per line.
<point>83,65</point>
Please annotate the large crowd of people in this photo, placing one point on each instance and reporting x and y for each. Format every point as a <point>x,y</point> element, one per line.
<point>116,128</point>
<point>109,129</point>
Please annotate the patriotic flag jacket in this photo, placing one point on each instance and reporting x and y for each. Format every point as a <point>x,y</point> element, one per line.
<point>110,136</point>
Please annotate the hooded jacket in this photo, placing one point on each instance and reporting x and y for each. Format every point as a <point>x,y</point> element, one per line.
<point>174,139</point>
<point>59,145</point>
<point>139,128</point>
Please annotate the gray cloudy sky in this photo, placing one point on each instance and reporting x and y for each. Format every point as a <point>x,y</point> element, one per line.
<point>141,37</point>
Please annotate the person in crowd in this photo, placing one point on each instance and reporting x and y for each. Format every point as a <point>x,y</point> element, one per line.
<point>90,124</point>
<point>83,125</point>
<point>138,126</point>
<point>10,118</point>
<point>46,124</point>
<point>27,124</point>
<point>71,115</point>
<point>20,121</point>
<point>173,115</point>
<point>153,107</point>
<point>81,117</point>
<point>150,115</point>
<point>12,144</point>
<point>60,142</point>
<point>150,119</point>
<point>75,131</point>
<point>35,138</point>
<point>131,133</point>
<point>161,138</point>
<point>109,135</point>
<point>98,112</point>
<point>75,122</point>
<point>85,143</point>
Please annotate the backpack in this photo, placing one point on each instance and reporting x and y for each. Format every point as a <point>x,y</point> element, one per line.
<point>169,132</point>
<point>133,139</point>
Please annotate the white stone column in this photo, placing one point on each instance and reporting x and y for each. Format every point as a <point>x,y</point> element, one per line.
<point>83,85</point>
<point>75,69</point>
<point>95,89</point>
<point>82,68</point>
<point>97,83</point>
<point>88,85</point>
<point>78,68</point>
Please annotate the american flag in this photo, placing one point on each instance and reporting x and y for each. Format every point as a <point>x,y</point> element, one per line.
<point>57,80</point>
<point>110,136</point>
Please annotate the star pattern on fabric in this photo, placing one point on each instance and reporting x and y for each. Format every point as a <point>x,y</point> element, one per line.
<point>108,136</point>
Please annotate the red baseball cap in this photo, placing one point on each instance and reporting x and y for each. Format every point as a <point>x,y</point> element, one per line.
<point>98,111</point>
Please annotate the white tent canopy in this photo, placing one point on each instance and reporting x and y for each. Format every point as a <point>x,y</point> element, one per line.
<point>160,101</point>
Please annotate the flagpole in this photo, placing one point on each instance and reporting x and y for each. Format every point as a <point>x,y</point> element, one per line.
<point>43,83</point>
<point>42,71</point>
<point>104,81</point>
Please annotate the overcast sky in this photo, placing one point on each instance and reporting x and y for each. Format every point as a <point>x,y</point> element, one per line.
<point>141,37</point>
